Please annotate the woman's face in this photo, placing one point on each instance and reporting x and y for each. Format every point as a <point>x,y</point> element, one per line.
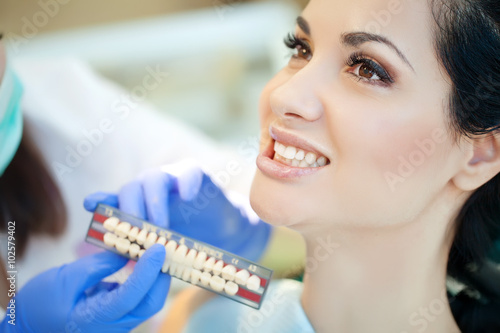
<point>364,90</point>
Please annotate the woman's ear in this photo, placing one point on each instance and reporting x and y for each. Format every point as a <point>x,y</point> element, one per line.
<point>482,162</point>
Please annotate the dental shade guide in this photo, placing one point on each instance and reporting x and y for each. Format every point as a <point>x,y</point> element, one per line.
<point>187,259</point>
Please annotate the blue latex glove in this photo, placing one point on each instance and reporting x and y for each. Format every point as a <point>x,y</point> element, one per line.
<point>71,298</point>
<point>181,197</point>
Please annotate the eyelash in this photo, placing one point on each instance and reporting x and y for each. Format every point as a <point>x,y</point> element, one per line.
<point>293,42</point>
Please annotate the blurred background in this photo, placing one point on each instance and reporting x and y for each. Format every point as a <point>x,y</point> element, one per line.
<point>218,53</point>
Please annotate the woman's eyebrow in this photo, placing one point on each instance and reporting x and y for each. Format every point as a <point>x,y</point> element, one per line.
<point>303,25</point>
<point>355,39</point>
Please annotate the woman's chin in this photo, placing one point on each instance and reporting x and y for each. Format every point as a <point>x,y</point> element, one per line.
<point>270,207</point>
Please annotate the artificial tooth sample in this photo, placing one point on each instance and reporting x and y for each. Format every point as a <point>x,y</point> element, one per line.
<point>205,278</point>
<point>209,264</point>
<point>170,250</point>
<point>253,283</point>
<point>152,237</point>
<point>122,245</point>
<point>218,267</point>
<point>132,235</point>
<point>162,240</point>
<point>134,250</point>
<point>110,239</point>
<point>173,269</point>
<point>186,275</point>
<point>110,223</point>
<point>231,288</point>
<point>123,229</point>
<point>199,262</point>
<point>217,283</point>
<point>195,276</point>
<point>180,254</point>
<point>141,252</point>
<point>141,237</point>
<point>191,256</point>
<point>290,152</point>
<point>311,158</point>
<point>228,272</point>
<point>241,277</point>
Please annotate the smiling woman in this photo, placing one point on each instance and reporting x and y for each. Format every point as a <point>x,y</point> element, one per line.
<point>418,99</point>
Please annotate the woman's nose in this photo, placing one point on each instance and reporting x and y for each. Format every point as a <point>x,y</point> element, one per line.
<point>297,98</point>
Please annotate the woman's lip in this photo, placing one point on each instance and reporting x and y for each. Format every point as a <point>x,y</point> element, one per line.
<point>291,140</point>
<point>275,169</point>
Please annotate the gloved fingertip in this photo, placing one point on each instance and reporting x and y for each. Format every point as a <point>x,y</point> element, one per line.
<point>155,255</point>
<point>91,201</point>
<point>189,183</point>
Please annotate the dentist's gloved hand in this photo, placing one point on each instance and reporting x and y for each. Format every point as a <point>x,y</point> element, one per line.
<point>72,298</point>
<point>181,197</point>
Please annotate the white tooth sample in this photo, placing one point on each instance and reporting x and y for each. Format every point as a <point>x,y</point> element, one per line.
<point>152,237</point>
<point>180,254</point>
<point>241,277</point>
<point>311,158</point>
<point>141,237</point>
<point>199,262</point>
<point>191,256</point>
<point>178,270</point>
<point>141,252</point>
<point>162,240</point>
<point>219,265</point>
<point>134,250</point>
<point>217,283</point>
<point>122,245</point>
<point>304,164</point>
<point>300,155</point>
<point>175,269</point>
<point>110,223</point>
<point>295,163</point>
<point>231,288</point>
<point>281,149</point>
<point>205,278</point>
<point>228,272</point>
<point>110,239</point>
<point>253,283</point>
<point>321,161</point>
<point>170,250</point>
<point>186,275</point>
<point>276,145</point>
<point>122,229</point>
<point>315,165</point>
<point>132,235</point>
<point>195,276</point>
<point>288,161</point>
<point>290,152</point>
<point>209,264</point>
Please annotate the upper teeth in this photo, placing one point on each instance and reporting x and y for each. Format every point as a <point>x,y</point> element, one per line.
<point>298,157</point>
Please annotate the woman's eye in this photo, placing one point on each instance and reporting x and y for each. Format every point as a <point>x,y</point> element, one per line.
<point>365,71</point>
<point>300,48</point>
<point>368,70</point>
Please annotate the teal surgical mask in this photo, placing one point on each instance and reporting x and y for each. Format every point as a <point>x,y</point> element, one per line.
<point>11,120</point>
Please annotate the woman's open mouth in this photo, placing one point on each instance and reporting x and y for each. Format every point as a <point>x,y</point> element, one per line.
<point>288,156</point>
<point>296,157</point>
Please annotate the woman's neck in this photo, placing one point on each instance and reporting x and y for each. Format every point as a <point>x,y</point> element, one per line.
<point>379,280</point>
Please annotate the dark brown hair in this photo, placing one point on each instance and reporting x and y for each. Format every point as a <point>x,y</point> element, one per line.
<point>30,197</point>
<point>467,43</point>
